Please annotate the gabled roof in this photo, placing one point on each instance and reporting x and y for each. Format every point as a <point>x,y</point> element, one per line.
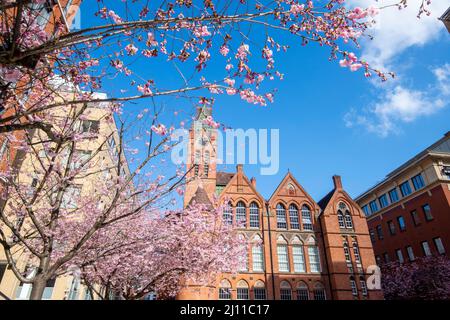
<point>291,177</point>
<point>323,203</point>
<point>201,197</point>
<point>222,178</point>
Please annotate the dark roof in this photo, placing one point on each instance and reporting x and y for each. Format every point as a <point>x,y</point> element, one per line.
<point>223,178</point>
<point>201,197</point>
<point>324,201</point>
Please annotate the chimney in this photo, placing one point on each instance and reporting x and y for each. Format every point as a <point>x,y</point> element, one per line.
<point>253,181</point>
<point>239,168</point>
<point>337,182</point>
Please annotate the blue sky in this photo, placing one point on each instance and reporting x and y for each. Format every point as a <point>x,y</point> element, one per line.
<point>333,121</point>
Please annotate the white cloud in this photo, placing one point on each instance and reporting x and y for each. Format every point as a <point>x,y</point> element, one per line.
<point>402,105</point>
<point>395,32</point>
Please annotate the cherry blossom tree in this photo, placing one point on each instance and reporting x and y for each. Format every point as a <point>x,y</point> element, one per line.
<point>188,36</point>
<point>426,278</point>
<point>158,252</point>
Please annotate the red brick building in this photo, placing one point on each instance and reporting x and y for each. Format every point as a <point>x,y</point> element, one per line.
<point>408,213</point>
<point>310,250</point>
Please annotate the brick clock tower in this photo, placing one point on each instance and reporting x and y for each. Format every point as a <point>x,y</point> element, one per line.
<point>310,250</point>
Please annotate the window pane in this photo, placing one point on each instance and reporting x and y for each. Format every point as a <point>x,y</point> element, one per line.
<point>257,258</point>
<point>426,248</point>
<point>405,189</point>
<point>281,217</point>
<point>293,217</point>
<point>415,218</point>
<point>380,232</point>
<point>228,214</point>
<point>241,218</point>
<point>393,195</point>
<point>259,293</point>
<point>399,254</point>
<point>299,259</point>
<point>401,223</point>
<point>319,294</point>
<point>254,215</point>
<point>354,288</point>
<point>366,210</point>
<point>391,227</point>
<point>242,294</point>
<point>418,182</point>
<point>427,211</point>
<point>306,218</point>
<point>285,294</point>
<point>283,261</point>
<point>383,201</point>
<point>224,294</point>
<point>410,252</point>
<point>373,206</point>
<point>439,245</point>
<point>314,261</point>
<point>302,294</point>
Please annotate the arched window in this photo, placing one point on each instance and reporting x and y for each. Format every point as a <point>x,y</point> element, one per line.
<point>306,218</point>
<point>356,252</point>
<point>347,216</point>
<point>242,290</point>
<point>353,286</point>
<point>281,217</point>
<point>282,254</point>
<point>363,284</point>
<point>259,290</point>
<point>257,254</point>
<point>254,215</point>
<point>206,161</point>
<point>302,291</point>
<point>228,214</point>
<point>293,217</point>
<point>319,292</point>
<point>341,219</point>
<point>225,290</point>
<point>241,217</point>
<point>285,291</point>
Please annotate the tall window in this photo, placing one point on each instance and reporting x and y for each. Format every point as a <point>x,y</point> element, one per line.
<point>293,217</point>
<point>206,163</point>
<point>281,217</point>
<point>314,260</point>
<point>405,188</point>
<point>302,291</point>
<point>427,211</point>
<point>259,291</point>
<point>348,220</point>
<point>348,258</point>
<point>306,218</point>
<point>254,215</point>
<point>401,223</point>
<point>418,182</point>
<point>341,219</point>
<point>391,227</point>
<point>225,290</point>
<point>415,217</point>
<point>366,210</point>
<point>299,258</point>
<point>439,245</point>
<point>353,286</point>
<point>283,258</point>
<point>319,292</point>
<point>399,254</point>
<point>356,252</point>
<point>410,252</point>
<point>228,214</point>
<point>426,248</point>
<point>363,285</point>
<point>285,291</point>
<point>242,290</point>
<point>380,232</point>
<point>241,217</point>
<point>257,258</point>
<point>196,162</point>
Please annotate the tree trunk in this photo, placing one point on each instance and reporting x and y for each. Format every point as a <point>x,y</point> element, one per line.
<point>38,289</point>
